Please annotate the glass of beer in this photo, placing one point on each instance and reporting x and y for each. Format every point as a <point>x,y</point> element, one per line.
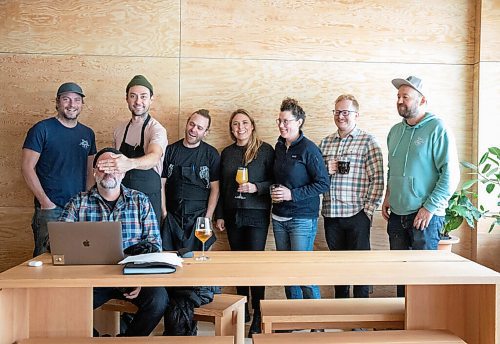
<point>241,178</point>
<point>203,231</point>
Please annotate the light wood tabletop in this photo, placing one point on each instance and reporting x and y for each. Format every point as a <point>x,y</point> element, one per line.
<point>269,268</point>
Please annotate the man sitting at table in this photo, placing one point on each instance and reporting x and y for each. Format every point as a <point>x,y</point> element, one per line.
<point>109,200</point>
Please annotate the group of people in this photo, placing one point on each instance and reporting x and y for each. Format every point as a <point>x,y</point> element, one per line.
<point>158,190</point>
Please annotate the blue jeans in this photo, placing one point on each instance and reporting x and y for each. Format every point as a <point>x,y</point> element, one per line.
<point>348,234</point>
<point>297,235</point>
<point>403,236</point>
<point>151,303</point>
<point>39,226</point>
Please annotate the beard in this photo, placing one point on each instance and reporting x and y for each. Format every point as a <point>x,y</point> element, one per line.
<point>70,117</point>
<point>408,112</point>
<point>108,181</point>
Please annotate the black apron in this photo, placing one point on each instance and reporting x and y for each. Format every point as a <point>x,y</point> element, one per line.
<point>186,199</point>
<point>146,181</point>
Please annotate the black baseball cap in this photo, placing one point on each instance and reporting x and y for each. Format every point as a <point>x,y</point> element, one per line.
<point>70,87</point>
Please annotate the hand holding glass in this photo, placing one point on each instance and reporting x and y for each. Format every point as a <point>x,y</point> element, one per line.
<point>241,178</point>
<point>203,231</point>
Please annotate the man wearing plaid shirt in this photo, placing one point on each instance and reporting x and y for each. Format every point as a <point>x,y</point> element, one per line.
<point>349,204</point>
<point>109,200</point>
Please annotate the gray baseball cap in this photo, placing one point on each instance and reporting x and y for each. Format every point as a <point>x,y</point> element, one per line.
<point>70,87</point>
<point>416,83</point>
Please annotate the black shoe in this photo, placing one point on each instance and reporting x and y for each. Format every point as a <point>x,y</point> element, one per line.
<point>255,327</point>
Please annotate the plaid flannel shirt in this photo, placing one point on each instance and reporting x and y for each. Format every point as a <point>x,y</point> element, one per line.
<point>132,208</point>
<point>363,186</point>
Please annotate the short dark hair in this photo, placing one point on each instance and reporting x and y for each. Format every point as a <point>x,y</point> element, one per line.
<point>292,105</point>
<point>204,113</point>
<point>105,150</point>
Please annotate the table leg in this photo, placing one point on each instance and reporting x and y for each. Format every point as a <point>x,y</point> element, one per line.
<point>14,324</point>
<point>60,312</point>
<point>469,311</point>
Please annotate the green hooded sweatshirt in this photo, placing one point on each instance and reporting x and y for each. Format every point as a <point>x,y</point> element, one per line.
<point>423,166</point>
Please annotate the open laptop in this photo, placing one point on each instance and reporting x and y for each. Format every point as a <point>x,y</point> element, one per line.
<point>74,243</point>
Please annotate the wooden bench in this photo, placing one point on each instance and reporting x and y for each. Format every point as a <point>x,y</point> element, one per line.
<point>370,337</point>
<point>226,311</point>
<point>130,340</point>
<point>377,313</point>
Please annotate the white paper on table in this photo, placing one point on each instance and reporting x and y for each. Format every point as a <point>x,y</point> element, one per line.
<point>158,257</point>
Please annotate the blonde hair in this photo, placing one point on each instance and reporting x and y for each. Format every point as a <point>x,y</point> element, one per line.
<point>348,97</point>
<point>254,142</point>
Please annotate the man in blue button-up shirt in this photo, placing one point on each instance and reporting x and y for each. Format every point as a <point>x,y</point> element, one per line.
<point>108,200</point>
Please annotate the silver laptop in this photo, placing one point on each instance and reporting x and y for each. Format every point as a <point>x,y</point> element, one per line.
<point>74,243</point>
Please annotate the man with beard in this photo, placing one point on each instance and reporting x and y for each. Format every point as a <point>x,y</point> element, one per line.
<point>141,141</point>
<point>57,161</point>
<point>191,177</point>
<point>108,200</point>
<point>423,172</point>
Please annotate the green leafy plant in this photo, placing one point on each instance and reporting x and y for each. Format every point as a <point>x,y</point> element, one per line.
<point>460,206</point>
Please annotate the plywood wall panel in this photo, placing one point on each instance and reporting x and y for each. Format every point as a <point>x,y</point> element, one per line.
<point>490,29</point>
<point>488,244</point>
<point>16,236</point>
<point>29,97</point>
<point>373,30</point>
<point>260,86</point>
<point>109,27</point>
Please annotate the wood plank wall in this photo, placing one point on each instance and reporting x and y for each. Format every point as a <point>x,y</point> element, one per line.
<point>486,249</point>
<point>223,56</point>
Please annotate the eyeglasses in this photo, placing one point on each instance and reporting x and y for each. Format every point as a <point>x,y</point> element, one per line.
<point>344,113</point>
<point>285,122</point>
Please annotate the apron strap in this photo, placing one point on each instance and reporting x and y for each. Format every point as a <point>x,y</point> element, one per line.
<point>142,131</point>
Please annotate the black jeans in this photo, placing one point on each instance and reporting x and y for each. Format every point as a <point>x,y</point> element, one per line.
<point>248,238</point>
<point>348,234</point>
<point>151,301</point>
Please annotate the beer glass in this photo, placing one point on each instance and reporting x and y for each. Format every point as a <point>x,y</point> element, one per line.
<point>241,178</point>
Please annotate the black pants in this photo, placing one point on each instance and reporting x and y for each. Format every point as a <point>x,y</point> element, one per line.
<point>151,303</point>
<point>248,238</point>
<point>348,234</point>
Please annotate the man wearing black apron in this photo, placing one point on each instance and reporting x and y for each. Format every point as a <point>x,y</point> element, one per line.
<point>191,172</point>
<point>142,141</point>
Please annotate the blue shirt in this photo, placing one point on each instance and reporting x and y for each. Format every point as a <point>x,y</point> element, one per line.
<point>132,208</point>
<point>62,166</point>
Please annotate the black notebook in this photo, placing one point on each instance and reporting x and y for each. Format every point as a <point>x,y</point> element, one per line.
<point>148,268</point>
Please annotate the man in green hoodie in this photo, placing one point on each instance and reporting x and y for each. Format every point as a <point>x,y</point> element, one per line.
<point>423,172</point>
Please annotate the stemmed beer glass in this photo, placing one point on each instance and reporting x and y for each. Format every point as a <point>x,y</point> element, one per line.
<point>203,231</point>
<point>241,178</point>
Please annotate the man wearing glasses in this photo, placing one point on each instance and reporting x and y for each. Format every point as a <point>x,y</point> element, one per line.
<point>354,161</point>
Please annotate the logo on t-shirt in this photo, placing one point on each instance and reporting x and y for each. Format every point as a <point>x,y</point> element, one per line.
<point>419,141</point>
<point>85,144</point>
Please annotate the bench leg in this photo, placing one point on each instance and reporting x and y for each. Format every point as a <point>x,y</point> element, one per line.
<point>107,322</point>
<point>267,327</point>
<point>239,321</point>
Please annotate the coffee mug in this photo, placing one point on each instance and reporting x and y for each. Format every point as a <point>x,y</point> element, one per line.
<point>271,189</point>
<point>343,166</point>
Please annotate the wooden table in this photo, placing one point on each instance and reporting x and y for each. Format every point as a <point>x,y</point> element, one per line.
<point>444,290</point>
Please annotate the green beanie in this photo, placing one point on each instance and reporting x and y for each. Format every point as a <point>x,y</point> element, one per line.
<point>140,80</point>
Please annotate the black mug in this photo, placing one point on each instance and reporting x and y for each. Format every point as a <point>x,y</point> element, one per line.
<point>343,166</point>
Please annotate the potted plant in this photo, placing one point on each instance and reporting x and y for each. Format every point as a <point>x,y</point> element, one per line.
<point>460,205</point>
